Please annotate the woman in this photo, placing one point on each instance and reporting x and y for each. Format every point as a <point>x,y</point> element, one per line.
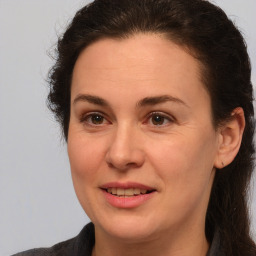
<point>155,101</point>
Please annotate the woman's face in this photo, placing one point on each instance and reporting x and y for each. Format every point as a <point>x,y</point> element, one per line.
<point>141,143</point>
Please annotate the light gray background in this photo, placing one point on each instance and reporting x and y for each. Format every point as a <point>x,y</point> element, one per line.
<point>38,206</point>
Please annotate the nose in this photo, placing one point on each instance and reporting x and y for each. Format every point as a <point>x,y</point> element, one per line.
<point>125,149</point>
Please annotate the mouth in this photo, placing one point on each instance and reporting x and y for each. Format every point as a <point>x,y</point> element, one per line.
<point>127,192</point>
<point>127,195</point>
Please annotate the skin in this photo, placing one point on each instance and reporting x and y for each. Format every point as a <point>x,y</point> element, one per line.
<point>123,141</point>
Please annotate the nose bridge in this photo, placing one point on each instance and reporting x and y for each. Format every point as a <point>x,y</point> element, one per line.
<point>124,150</point>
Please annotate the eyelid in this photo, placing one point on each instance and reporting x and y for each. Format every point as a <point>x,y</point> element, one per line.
<point>83,118</point>
<point>169,117</point>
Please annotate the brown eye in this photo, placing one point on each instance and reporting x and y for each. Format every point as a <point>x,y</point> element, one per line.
<point>158,119</point>
<point>96,119</point>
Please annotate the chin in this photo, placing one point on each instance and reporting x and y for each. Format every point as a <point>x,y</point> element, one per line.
<point>129,229</point>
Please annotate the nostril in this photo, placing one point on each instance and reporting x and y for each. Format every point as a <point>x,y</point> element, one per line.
<point>121,166</point>
<point>110,165</point>
<point>123,158</point>
<point>120,163</point>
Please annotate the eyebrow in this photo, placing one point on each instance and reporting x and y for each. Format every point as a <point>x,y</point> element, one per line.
<point>148,101</point>
<point>151,101</point>
<point>91,99</point>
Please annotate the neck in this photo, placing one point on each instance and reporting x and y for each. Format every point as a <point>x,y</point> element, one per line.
<point>174,244</point>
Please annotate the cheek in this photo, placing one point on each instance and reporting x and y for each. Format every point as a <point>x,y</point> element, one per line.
<point>186,174</point>
<point>184,163</point>
<point>85,162</point>
<point>85,157</point>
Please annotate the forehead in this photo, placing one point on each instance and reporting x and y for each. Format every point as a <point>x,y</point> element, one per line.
<point>141,49</point>
<point>141,61</point>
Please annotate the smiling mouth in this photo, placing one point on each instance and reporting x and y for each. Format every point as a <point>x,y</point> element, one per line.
<point>127,192</point>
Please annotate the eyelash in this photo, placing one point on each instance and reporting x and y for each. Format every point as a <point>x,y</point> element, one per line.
<point>165,118</point>
<point>85,118</point>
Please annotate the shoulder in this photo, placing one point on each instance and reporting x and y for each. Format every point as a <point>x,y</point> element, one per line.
<point>79,245</point>
<point>63,248</point>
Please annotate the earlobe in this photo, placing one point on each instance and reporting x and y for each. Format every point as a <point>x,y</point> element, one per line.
<point>230,137</point>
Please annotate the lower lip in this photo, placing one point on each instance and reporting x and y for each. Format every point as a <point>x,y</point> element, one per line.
<point>127,202</point>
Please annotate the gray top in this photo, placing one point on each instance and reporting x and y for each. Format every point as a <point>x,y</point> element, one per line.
<point>82,245</point>
<point>215,249</point>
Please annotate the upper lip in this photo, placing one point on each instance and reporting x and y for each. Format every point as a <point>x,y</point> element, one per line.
<point>126,185</point>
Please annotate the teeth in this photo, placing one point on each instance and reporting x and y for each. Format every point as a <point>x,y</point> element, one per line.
<point>129,192</point>
<point>136,191</point>
<point>126,192</point>
<point>120,191</point>
<point>143,191</point>
<point>114,191</point>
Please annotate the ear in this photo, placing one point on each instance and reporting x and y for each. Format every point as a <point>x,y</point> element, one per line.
<point>230,137</point>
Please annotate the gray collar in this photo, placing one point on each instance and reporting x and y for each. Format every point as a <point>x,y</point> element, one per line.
<point>215,249</point>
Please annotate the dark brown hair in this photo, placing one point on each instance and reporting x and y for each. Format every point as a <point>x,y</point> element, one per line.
<point>206,32</point>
